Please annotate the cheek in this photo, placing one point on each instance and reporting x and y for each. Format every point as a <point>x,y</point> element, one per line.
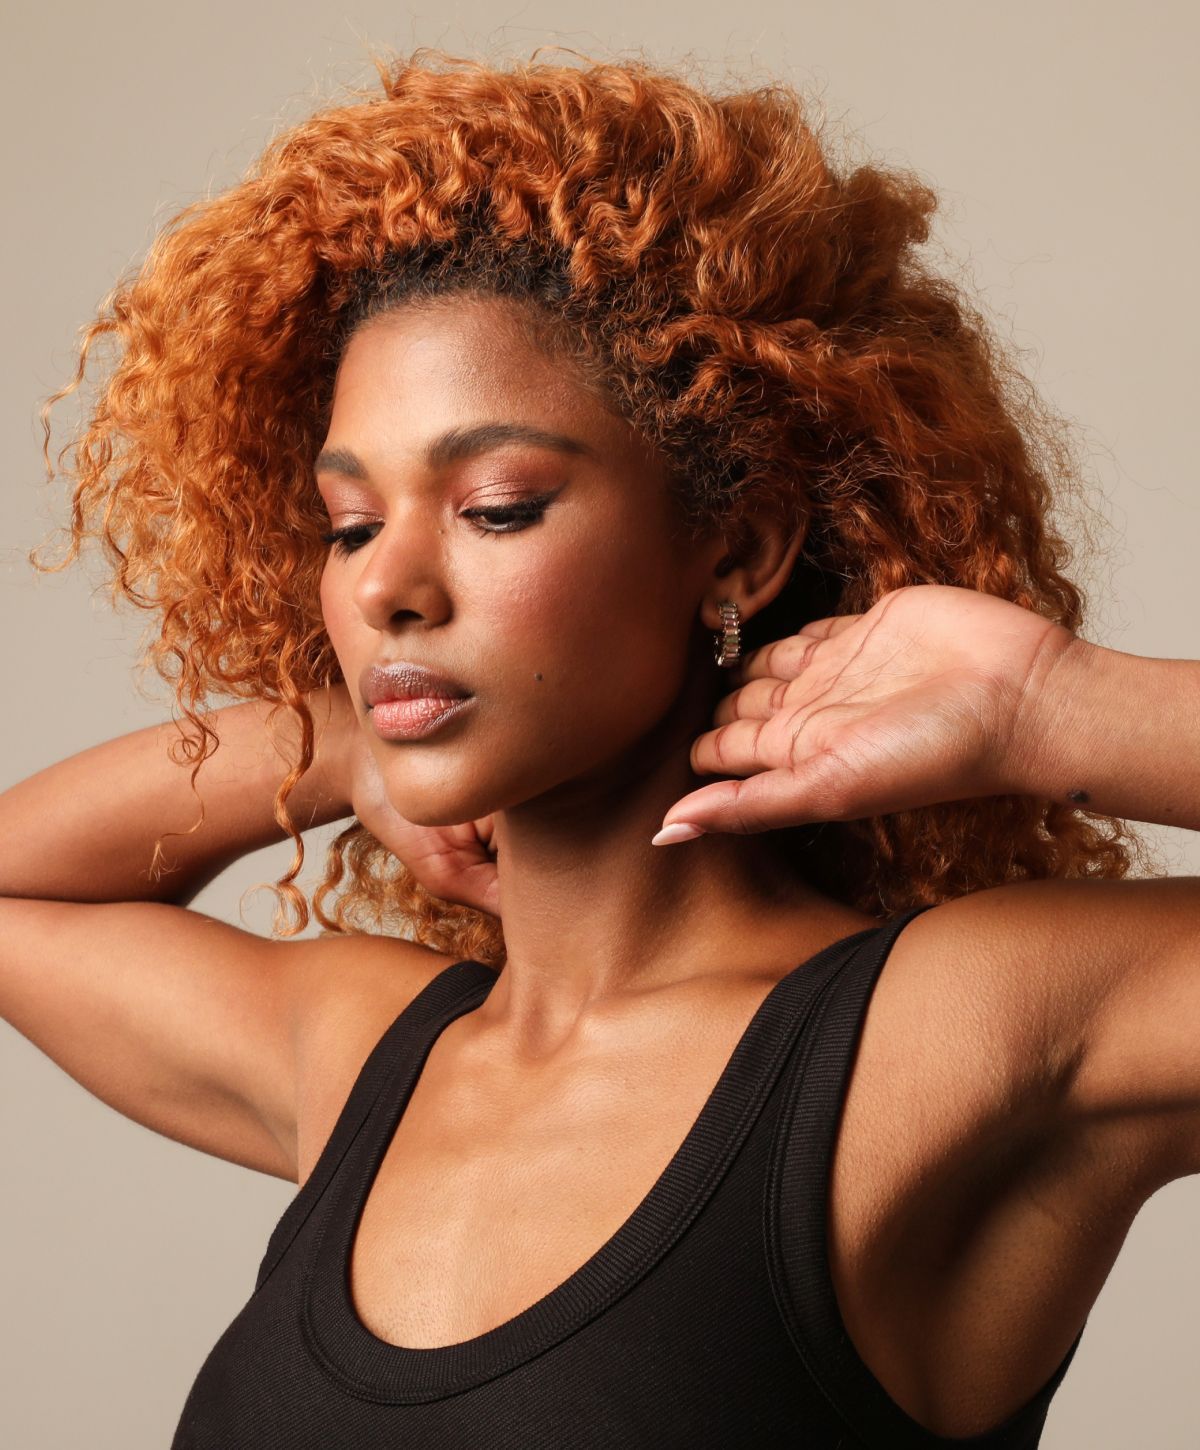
<point>335,613</point>
<point>608,635</point>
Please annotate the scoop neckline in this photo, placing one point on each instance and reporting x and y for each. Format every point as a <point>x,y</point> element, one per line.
<point>373,1368</point>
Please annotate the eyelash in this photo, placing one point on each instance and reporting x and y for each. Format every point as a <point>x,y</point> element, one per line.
<point>521,514</point>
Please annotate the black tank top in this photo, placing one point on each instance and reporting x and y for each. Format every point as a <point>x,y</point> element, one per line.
<point>708,1319</point>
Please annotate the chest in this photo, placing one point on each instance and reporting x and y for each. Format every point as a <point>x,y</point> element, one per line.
<point>495,1188</point>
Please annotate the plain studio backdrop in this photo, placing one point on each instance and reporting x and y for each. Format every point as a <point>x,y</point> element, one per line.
<point>1061,138</point>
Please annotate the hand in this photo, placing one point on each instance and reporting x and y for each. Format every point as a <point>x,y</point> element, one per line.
<point>453,863</point>
<point>912,703</point>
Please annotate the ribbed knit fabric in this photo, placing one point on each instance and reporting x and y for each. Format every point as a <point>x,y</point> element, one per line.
<point>708,1319</point>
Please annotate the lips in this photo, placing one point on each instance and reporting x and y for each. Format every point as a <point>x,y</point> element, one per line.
<point>403,680</point>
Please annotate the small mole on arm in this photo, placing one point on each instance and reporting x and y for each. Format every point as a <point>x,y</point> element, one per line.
<point>1080,797</point>
<point>538,675</point>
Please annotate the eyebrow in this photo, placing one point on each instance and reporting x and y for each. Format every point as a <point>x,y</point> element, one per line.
<point>459,443</point>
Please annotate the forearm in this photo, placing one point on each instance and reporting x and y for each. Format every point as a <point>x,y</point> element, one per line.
<point>1115,733</point>
<point>85,828</point>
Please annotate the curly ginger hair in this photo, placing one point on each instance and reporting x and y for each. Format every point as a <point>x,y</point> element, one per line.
<point>760,314</point>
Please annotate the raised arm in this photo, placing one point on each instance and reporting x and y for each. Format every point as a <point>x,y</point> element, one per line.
<point>84,829</point>
<point>179,1021</point>
<point>939,693</point>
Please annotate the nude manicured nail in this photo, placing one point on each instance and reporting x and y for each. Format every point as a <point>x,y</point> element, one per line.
<point>680,831</point>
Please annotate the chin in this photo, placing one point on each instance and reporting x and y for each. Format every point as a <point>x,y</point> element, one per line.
<point>437,807</point>
<point>467,783</point>
<point>446,792</point>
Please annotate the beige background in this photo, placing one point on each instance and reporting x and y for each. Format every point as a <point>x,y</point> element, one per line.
<point>1062,138</point>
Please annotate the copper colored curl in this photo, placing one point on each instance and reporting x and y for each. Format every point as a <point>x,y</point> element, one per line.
<point>761,312</point>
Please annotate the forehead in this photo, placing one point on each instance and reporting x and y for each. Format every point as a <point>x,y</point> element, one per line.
<point>426,368</point>
<point>455,348</point>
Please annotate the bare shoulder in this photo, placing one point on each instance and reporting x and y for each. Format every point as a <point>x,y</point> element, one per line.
<point>354,988</point>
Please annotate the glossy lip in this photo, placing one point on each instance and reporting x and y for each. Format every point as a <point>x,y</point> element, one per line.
<point>403,680</point>
<point>394,719</point>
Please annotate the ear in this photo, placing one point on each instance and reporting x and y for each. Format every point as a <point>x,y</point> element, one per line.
<point>751,564</point>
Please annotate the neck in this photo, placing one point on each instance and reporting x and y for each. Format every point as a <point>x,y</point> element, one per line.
<point>594,913</point>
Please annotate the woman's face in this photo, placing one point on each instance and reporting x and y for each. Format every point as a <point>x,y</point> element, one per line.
<point>568,619</point>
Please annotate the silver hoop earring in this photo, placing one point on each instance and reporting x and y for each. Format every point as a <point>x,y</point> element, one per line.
<point>727,642</point>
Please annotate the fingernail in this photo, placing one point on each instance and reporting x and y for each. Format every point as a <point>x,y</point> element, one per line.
<point>680,831</point>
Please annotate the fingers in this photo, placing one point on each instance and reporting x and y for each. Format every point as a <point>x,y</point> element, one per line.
<point>767,696</point>
<point>756,701</point>
<point>785,658</point>
<point>733,749</point>
<point>485,831</point>
<point>826,628</point>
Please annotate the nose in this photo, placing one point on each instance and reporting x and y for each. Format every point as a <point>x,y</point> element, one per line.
<point>402,575</point>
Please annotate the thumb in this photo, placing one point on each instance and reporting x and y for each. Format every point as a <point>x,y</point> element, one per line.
<point>769,801</point>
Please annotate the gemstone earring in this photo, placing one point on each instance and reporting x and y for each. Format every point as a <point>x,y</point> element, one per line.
<point>727,641</point>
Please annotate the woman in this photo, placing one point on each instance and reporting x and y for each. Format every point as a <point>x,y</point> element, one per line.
<point>460,428</point>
